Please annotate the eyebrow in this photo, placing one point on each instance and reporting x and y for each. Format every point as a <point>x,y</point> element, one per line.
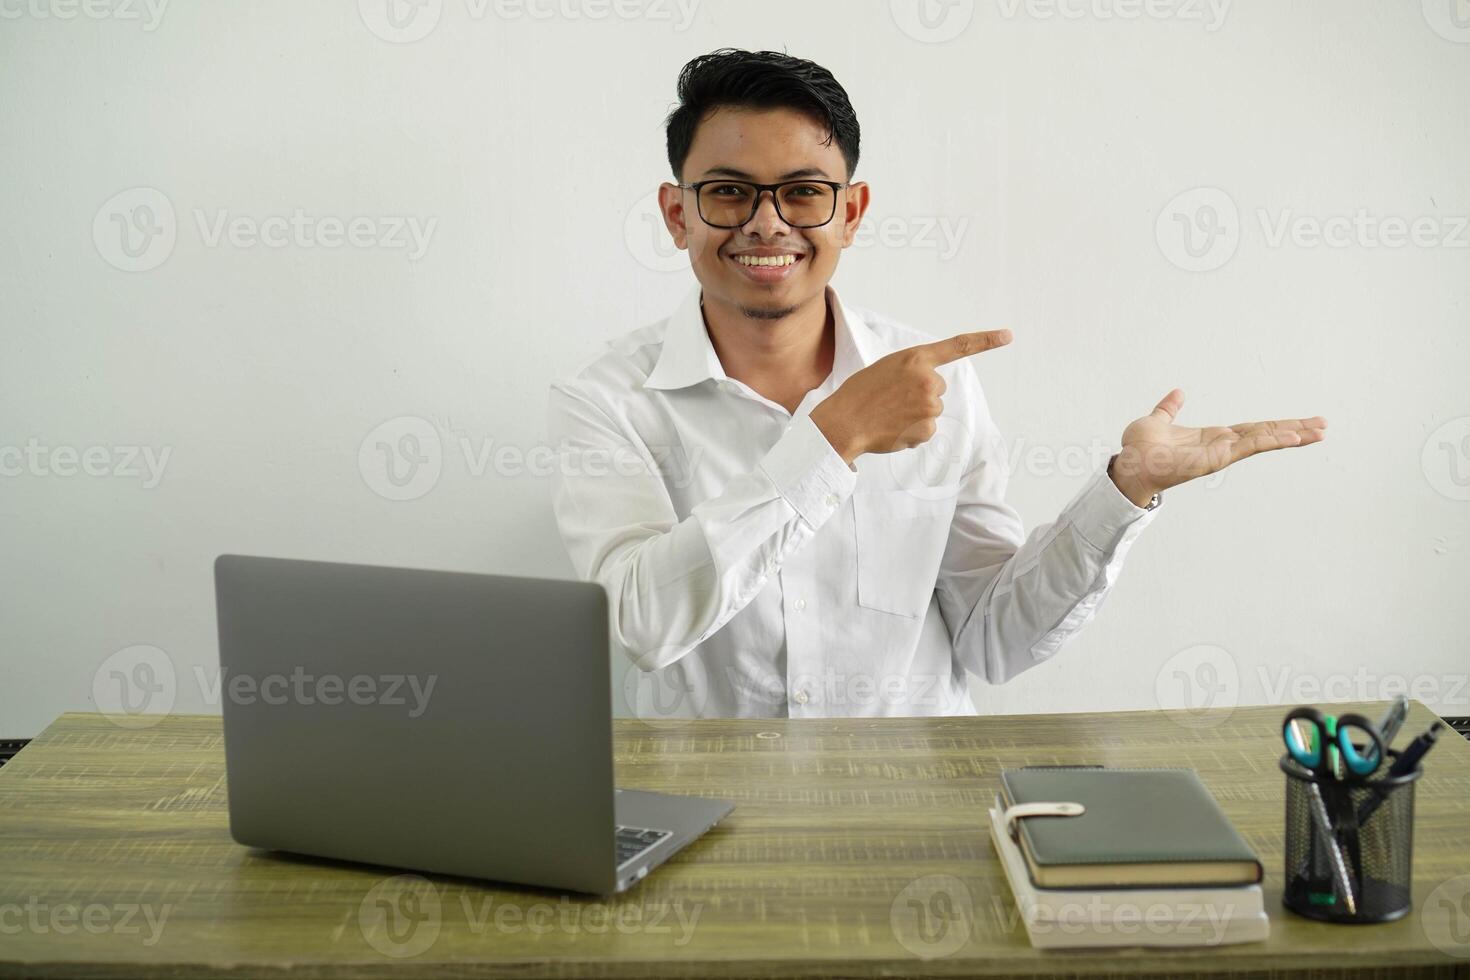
<point>742,175</point>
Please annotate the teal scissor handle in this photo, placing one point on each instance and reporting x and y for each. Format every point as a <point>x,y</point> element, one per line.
<point>1329,736</point>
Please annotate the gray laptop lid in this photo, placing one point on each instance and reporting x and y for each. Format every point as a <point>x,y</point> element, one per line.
<point>438,721</point>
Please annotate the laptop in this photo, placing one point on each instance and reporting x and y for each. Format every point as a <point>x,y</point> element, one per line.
<point>432,721</point>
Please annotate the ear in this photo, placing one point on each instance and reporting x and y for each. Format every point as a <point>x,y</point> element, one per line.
<point>857,198</point>
<point>671,204</point>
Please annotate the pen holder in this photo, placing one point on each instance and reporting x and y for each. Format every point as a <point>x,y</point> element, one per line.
<point>1371,845</point>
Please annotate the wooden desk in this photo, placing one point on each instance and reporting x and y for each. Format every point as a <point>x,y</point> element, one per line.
<point>839,824</point>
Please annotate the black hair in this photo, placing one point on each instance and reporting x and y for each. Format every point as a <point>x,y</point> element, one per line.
<point>759,80</point>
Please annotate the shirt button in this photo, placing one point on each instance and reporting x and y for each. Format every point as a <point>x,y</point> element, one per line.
<point>831,500</point>
<point>802,697</point>
<point>800,604</point>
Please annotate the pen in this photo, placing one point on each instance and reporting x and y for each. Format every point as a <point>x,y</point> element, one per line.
<point>1406,763</point>
<point>1393,719</point>
<point>1408,759</point>
<point>1341,881</point>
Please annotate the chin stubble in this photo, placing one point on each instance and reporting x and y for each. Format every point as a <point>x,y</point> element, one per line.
<point>754,313</point>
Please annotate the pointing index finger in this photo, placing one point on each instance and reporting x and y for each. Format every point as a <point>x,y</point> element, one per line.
<point>965,344</point>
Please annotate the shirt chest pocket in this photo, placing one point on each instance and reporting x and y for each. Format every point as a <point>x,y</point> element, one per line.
<point>900,542</point>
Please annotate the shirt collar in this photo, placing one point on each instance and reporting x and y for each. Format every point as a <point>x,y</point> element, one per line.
<point>688,356</point>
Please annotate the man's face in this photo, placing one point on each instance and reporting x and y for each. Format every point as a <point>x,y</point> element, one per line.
<point>765,147</point>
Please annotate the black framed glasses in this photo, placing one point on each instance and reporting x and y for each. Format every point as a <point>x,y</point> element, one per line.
<point>725,203</point>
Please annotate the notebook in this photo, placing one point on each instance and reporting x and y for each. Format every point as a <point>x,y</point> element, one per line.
<point>1069,918</point>
<point>1141,828</point>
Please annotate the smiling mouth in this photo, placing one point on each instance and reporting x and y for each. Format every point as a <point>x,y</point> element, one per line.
<point>767,268</point>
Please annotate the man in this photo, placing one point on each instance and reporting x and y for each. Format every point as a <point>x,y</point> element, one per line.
<point>754,479</point>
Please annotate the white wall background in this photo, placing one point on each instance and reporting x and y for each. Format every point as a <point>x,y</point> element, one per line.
<point>1050,142</point>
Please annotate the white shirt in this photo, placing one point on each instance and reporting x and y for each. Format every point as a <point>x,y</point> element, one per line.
<point>759,576</point>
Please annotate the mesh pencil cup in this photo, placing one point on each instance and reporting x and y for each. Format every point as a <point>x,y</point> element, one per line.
<point>1362,870</point>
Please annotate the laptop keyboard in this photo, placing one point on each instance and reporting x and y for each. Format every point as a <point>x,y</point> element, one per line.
<point>633,841</point>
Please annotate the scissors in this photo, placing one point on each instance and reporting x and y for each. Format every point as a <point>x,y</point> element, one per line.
<point>1326,744</point>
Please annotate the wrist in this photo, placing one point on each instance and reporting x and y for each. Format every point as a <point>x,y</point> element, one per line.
<point>1138,493</point>
<point>836,434</point>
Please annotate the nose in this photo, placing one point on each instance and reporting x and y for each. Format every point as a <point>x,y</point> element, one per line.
<point>766,222</point>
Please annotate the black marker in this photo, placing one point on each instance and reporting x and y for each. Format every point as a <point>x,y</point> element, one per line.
<point>1408,759</point>
<point>1407,762</point>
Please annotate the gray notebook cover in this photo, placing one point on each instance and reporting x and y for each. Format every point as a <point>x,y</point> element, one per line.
<point>1133,816</point>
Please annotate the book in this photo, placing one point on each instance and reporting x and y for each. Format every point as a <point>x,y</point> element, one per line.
<point>1066,919</point>
<point>1140,828</point>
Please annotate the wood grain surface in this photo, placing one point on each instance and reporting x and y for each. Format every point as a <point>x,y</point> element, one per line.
<point>857,849</point>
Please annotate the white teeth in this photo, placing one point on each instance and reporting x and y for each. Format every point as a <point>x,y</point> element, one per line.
<point>765,259</point>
